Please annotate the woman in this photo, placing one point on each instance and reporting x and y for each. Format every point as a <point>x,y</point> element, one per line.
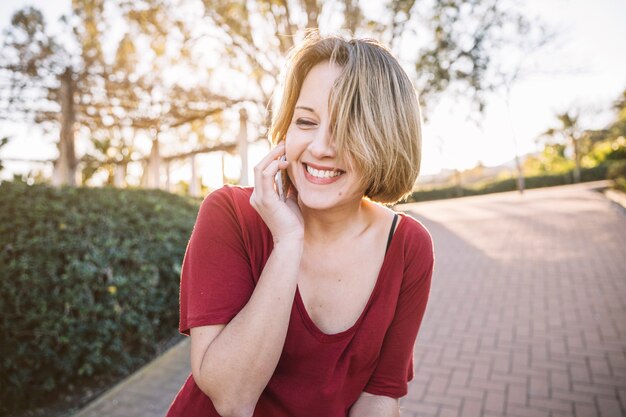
<point>311,306</point>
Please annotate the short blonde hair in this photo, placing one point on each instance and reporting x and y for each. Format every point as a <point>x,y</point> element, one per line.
<point>374,111</point>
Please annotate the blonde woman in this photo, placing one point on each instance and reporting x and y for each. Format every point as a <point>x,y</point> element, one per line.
<point>310,305</point>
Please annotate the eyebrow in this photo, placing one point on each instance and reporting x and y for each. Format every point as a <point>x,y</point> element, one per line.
<point>305,108</point>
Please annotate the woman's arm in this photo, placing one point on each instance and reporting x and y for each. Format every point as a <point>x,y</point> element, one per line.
<point>232,364</point>
<point>369,405</point>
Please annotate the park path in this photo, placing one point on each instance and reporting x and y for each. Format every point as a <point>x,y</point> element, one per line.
<point>527,315</point>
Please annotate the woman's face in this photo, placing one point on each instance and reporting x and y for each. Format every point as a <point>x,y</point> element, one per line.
<point>321,178</point>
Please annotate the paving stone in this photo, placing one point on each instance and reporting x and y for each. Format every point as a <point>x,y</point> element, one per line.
<point>532,287</point>
<point>148,392</point>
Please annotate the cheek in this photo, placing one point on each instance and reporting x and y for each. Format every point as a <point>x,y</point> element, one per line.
<point>292,157</point>
<point>296,141</point>
<point>290,175</point>
<point>290,152</point>
<point>295,145</point>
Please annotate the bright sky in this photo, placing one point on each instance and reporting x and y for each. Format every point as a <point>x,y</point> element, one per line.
<point>584,70</point>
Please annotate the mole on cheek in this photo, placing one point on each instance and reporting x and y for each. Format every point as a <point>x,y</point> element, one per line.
<point>339,193</point>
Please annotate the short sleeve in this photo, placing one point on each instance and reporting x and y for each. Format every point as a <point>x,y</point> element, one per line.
<point>216,278</point>
<point>395,364</point>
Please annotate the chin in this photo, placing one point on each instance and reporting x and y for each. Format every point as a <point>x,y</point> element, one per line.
<point>317,202</point>
<point>324,200</point>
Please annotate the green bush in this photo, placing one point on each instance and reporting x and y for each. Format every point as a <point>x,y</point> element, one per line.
<point>617,173</point>
<point>616,170</point>
<point>620,184</point>
<point>596,173</point>
<point>89,283</point>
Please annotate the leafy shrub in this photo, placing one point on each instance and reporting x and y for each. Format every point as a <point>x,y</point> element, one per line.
<point>617,173</point>
<point>89,283</point>
<point>617,170</point>
<point>596,173</point>
<point>611,149</point>
<point>620,184</point>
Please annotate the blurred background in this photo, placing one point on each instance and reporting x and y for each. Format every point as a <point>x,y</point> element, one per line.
<point>118,116</point>
<point>176,94</point>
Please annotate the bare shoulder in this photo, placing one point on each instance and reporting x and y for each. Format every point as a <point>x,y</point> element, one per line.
<point>383,216</point>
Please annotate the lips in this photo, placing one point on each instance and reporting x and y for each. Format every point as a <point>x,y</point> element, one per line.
<point>318,174</point>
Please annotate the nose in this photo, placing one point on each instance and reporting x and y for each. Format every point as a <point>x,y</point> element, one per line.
<point>322,144</point>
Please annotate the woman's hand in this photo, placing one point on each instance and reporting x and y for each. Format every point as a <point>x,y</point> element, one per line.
<point>284,219</point>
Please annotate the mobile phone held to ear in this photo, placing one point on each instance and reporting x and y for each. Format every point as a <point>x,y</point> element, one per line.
<point>280,183</point>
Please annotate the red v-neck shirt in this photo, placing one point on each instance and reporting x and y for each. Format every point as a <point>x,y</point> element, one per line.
<point>318,374</point>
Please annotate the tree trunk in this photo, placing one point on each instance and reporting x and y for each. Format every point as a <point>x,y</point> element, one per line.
<point>223,167</point>
<point>312,12</point>
<point>458,184</point>
<point>521,183</point>
<point>352,15</point>
<point>119,174</point>
<point>243,146</point>
<point>153,170</point>
<point>65,165</point>
<point>194,189</point>
<point>168,176</point>
<point>576,160</point>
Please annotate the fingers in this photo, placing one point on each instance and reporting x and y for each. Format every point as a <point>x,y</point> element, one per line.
<point>266,177</point>
<point>264,174</point>
<point>273,154</point>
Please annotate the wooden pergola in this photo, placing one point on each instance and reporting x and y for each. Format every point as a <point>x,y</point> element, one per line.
<point>155,163</point>
<point>64,172</point>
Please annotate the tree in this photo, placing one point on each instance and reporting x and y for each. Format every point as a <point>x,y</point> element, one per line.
<point>447,46</point>
<point>3,142</point>
<point>552,160</point>
<point>76,88</point>
<point>38,83</point>
<point>570,133</point>
<point>609,144</point>
<point>618,127</point>
<point>460,38</point>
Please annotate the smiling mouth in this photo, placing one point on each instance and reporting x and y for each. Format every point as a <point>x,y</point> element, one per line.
<point>323,173</point>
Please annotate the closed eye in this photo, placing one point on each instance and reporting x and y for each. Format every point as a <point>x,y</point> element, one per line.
<point>305,123</point>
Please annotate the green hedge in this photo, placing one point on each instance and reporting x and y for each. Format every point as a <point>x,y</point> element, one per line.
<point>89,284</point>
<point>509,184</point>
<point>617,173</point>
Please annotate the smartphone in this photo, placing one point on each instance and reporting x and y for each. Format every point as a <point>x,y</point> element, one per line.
<point>280,182</point>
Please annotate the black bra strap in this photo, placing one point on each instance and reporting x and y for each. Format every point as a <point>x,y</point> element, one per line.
<point>393,226</point>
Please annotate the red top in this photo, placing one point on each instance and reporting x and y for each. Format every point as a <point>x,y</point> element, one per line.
<point>318,374</point>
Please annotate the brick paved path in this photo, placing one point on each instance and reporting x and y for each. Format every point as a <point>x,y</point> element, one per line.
<point>148,392</point>
<point>527,315</point>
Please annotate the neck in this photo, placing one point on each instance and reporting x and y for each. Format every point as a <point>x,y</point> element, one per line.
<point>337,224</point>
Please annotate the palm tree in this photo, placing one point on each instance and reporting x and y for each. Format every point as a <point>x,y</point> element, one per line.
<point>569,132</point>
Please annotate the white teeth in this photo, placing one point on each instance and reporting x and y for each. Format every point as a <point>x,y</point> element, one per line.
<point>322,173</point>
